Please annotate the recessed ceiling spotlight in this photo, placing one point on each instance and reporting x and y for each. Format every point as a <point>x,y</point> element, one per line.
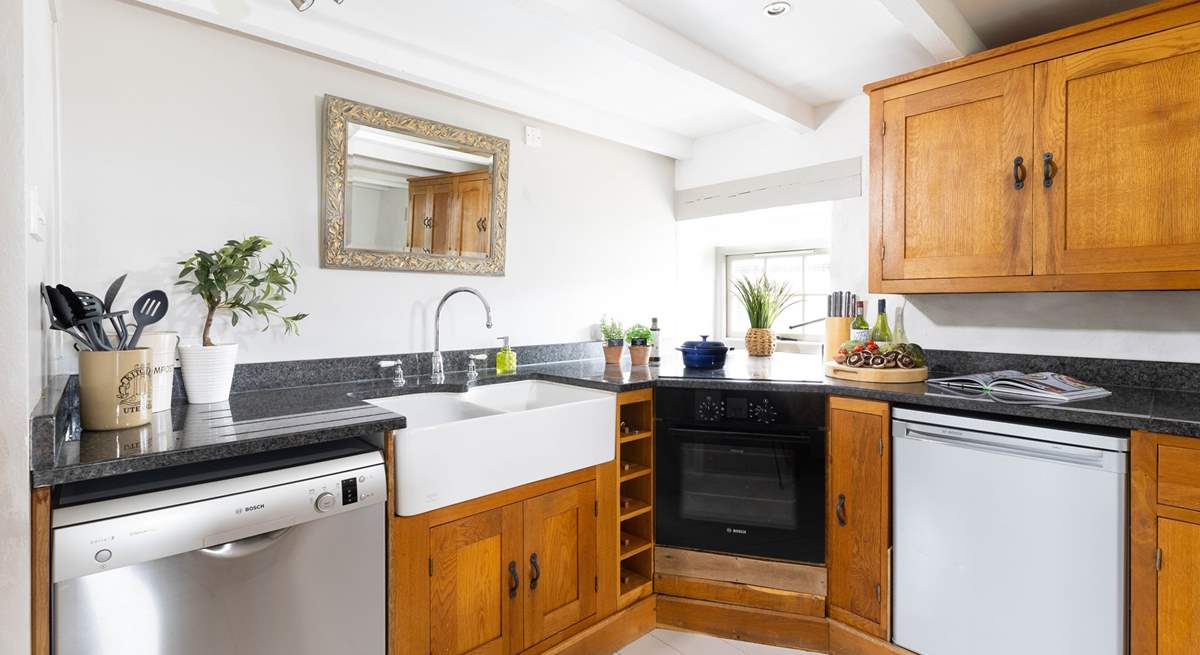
<point>777,8</point>
<point>302,5</point>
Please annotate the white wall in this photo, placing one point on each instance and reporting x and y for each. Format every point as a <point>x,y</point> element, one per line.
<point>179,136</point>
<point>1127,325</point>
<point>798,227</point>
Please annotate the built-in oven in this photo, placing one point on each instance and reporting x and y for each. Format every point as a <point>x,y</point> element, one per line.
<point>741,472</point>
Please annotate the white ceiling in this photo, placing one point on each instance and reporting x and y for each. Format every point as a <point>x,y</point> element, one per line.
<point>654,74</point>
<point>820,51</point>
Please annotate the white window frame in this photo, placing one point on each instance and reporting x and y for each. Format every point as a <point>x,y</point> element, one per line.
<point>804,343</point>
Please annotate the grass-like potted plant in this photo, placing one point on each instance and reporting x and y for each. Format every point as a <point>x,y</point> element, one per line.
<point>233,278</point>
<point>763,301</point>
<point>640,337</point>
<point>614,340</point>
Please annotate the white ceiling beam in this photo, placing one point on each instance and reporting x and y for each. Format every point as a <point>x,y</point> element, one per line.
<point>277,21</point>
<point>647,41</point>
<point>937,25</point>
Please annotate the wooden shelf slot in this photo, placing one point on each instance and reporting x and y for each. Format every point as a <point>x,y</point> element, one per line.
<point>632,470</point>
<point>635,436</point>
<point>633,583</point>
<point>631,545</point>
<point>631,507</point>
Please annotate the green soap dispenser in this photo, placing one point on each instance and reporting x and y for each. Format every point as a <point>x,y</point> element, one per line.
<point>506,359</point>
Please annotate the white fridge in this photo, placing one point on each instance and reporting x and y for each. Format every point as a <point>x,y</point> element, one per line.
<point>1007,538</point>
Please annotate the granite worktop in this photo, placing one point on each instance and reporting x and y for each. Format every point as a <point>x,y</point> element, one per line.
<point>257,420</point>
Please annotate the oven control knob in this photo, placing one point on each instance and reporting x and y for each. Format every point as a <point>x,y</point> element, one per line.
<point>710,410</point>
<point>763,412</point>
<point>325,502</point>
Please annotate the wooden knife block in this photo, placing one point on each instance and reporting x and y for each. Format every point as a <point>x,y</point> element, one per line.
<point>837,332</point>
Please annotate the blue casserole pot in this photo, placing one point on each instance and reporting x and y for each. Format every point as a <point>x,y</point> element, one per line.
<point>703,354</point>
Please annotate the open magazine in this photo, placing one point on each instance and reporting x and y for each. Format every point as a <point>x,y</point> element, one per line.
<point>1044,386</point>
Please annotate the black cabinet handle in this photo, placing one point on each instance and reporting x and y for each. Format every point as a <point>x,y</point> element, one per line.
<point>1019,173</point>
<point>537,572</point>
<point>840,511</point>
<point>1048,169</point>
<point>514,580</point>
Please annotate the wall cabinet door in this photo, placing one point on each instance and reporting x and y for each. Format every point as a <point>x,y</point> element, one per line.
<point>474,198</point>
<point>474,590</point>
<point>560,560</point>
<point>441,202</point>
<point>1122,126</point>
<point>956,201</point>
<point>420,217</point>
<point>857,521</point>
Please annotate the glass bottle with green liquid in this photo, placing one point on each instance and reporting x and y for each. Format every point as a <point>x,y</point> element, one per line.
<point>881,334</point>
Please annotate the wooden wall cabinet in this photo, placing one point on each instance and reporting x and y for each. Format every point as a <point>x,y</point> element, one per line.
<point>451,214</point>
<point>858,523</point>
<point>1164,544</point>
<point>1050,164</point>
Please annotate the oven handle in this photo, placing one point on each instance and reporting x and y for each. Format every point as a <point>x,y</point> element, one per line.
<point>804,436</point>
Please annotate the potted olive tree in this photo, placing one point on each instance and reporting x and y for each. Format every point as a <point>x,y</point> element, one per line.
<point>614,340</point>
<point>639,337</point>
<point>233,278</point>
<point>763,301</point>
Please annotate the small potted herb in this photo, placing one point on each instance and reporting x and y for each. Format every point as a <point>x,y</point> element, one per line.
<point>763,301</point>
<point>614,340</point>
<point>236,279</point>
<point>640,339</point>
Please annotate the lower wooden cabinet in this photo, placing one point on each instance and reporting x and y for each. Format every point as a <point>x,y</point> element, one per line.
<point>560,556</point>
<point>857,520</point>
<point>1164,545</point>
<point>474,590</point>
<point>497,575</point>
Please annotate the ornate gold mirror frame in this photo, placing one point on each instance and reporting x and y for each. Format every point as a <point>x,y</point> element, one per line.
<point>339,113</point>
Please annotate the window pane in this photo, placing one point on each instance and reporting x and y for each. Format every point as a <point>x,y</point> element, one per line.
<point>807,276</point>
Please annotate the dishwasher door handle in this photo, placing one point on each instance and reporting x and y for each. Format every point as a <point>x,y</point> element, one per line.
<point>245,547</point>
<point>1076,455</point>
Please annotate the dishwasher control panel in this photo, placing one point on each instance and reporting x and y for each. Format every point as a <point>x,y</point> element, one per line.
<point>209,516</point>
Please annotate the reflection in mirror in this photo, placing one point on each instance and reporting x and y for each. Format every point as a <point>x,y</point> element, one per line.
<point>408,194</point>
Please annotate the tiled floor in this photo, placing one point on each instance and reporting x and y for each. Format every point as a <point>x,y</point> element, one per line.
<point>670,642</point>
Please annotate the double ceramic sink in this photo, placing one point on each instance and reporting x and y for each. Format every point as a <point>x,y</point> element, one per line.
<point>460,446</point>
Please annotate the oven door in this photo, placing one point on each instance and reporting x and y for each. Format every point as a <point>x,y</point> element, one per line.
<point>747,494</point>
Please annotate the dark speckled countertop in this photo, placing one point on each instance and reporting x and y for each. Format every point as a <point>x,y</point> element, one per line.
<point>256,421</point>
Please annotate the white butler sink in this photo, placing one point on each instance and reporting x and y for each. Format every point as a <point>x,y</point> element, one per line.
<point>460,446</point>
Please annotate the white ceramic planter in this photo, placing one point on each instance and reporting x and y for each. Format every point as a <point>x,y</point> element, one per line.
<point>208,371</point>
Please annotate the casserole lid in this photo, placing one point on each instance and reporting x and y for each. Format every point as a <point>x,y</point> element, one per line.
<point>703,345</point>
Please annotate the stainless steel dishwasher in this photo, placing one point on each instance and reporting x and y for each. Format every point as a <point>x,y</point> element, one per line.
<point>285,561</point>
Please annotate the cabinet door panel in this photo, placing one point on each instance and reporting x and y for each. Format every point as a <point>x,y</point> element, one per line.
<point>471,610</point>
<point>1122,124</point>
<point>475,203</point>
<point>560,531</point>
<point>441,201</point>
<point>857,523</point>
<point>950,203</point>
<point>418,214</point>
<point>1178,588</point>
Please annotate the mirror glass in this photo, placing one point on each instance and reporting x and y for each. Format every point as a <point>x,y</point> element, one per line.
<point>407,194</point>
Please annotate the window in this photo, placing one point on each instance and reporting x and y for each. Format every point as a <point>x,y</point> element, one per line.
<point>806,273</point>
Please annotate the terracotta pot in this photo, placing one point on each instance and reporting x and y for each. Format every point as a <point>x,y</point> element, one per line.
<point>639,355</point>
<point>760,342</point>
<point>612,354</point>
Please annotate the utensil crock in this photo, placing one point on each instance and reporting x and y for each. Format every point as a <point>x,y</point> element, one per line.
<point>114,389</point>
